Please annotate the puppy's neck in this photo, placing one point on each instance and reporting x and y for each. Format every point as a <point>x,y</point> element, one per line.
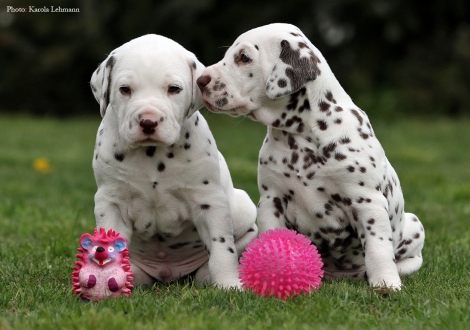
<point>313,114</point>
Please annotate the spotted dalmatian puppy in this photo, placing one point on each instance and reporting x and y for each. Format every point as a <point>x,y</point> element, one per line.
<point>321,170</point>
<point>161,181</point>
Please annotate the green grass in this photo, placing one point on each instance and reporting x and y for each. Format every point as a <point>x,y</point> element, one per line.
<point>42,215</point>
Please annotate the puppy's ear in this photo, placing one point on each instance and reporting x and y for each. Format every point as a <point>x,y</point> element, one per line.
<point>101,82</point>
<point>297,65</point>
<point>196,68</point>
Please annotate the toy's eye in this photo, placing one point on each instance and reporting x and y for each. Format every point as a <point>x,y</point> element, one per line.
<point>174,89</point>
<point>245,59</point>
<point>110,249</point>
<point>125,90</point>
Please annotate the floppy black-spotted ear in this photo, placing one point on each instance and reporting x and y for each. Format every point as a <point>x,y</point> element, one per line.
<point>196,68</point>
<point>101,82</point>
<point>297,65</point>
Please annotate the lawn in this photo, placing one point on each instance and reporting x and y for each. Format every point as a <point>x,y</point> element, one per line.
<point>43,213</point>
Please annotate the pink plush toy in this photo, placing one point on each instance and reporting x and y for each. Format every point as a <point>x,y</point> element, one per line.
<point>280,263</point>
<point>104,270</point>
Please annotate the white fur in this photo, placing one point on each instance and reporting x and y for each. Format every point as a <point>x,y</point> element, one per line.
<point>166,189</point>
<point>321,170</point>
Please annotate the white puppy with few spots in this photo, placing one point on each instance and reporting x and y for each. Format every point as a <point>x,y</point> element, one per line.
<point>161,181</point>
<point>322,170</point>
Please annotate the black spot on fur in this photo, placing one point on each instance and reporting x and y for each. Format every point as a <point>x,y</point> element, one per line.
<point>327,150</point>
<point>357,115</point>
<point>294,157</point>
<point>302,69</point>
<point>282,83</point>
<point>292,143</point>
<point>150,151</point>
<point>119,156</point>
<point>340,156</point>
<point>161,167</point>
<point>205,206</point>
<point>278,205</point>
<point>322,125</point>
<point>336,197</point>
<point>324,106</point>
<point>329,97</point>
<point>305,106</point>
<point>221,102</point>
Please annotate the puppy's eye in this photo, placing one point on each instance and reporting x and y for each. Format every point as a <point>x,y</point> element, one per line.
<point>125,90</point>
<point>174,89</point>
<point>245,59</point>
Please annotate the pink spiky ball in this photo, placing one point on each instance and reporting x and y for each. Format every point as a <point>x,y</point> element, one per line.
<point>281,263</point>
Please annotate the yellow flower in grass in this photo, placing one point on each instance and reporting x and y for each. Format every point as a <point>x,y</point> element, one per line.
<point>42,165</point>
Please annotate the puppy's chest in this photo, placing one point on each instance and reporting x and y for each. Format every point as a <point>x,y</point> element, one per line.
<point>157,187</point>
<point>300,162</point>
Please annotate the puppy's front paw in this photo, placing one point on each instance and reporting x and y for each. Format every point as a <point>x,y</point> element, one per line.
<point>230,284</point>
<point>385,285</point>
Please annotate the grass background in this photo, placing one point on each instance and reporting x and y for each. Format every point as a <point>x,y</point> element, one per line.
<point>42,215</point>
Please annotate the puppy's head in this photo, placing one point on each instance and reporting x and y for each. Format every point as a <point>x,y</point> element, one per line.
<point>262,66</point>
<point>148,88</point>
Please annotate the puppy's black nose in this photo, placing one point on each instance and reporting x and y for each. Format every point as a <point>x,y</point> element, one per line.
<point>203,81</point>
<point>148,126</point>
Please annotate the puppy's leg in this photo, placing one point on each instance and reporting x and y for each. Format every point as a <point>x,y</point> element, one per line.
<point>243,218</point>
<point>203,275</point>
<point>408,253</point>
<point>212,218</point>
<point>108,215</point>
<point>269,217</point>
<point>141,277</point>
<point>376,237</point>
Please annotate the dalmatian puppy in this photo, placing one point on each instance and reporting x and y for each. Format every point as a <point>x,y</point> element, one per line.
<point>322,171</point>
<point>161,181</point>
